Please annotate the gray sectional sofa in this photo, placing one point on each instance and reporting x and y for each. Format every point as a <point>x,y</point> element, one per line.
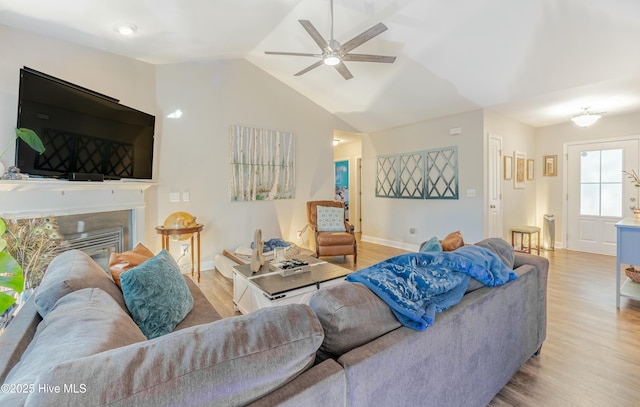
<point>344,348</point>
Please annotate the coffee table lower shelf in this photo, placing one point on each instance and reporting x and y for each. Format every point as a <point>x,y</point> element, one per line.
<point>267,289</point>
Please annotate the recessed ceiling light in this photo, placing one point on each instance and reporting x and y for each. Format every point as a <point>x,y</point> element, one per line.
<point>176,114</point>
<point>126,29</point>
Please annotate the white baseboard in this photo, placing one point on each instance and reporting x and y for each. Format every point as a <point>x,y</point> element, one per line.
<point>391,243</point>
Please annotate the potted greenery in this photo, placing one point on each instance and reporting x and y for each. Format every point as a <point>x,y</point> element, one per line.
<point>28,136</point>
<point>11,276</point>
<point>635,180</point>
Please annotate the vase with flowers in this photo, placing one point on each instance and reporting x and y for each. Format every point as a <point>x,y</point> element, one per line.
<point>28,136</point>
<point>635,180</point>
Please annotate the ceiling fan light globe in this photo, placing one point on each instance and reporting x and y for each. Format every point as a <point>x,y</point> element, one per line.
<point>331,60</point>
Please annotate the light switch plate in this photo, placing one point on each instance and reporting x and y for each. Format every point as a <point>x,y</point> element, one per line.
<point>174,196</point>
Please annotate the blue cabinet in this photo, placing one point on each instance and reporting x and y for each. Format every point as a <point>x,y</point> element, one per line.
<point>628,253</point>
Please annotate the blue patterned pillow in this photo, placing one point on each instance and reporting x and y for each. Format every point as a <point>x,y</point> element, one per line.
<point>431,245</point>
<point>330,219</point>
<point>156,295</point>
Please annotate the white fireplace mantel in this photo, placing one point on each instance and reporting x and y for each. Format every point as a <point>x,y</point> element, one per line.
<point>33,198</point>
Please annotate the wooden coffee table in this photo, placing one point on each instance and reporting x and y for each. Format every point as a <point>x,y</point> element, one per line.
<point>267,288</point>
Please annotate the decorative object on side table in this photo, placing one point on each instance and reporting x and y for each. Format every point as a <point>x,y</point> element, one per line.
<point>635,180</point>
<point>257,258</point>
<point>180,220</point>
<point>182,226</point>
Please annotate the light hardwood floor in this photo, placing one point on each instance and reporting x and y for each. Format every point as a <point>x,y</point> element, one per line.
<point>591,356</point>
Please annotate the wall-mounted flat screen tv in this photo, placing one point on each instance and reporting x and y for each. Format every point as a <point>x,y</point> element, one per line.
<point>84,132</point>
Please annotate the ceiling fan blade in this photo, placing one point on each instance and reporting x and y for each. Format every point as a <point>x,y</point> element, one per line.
<point>322,43</point>
<point>369,58</point>
<point>364,37</point>
<point>344,71</point>
<point>295,54</point>
<point>310,67</point>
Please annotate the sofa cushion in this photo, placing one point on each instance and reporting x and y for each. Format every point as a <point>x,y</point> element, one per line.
<point>156,295</point>
<point>351,315</point>
<point>453,241</point>
<point>228,362</point>
<point>82,323</point>
<point>202,312</point>
<point>500,247</point>
<point>330,219</point>
<point>71,271</point>
<point>121,262</point>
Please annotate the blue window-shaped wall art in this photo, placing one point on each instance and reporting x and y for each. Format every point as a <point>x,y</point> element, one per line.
<point>429,174</point>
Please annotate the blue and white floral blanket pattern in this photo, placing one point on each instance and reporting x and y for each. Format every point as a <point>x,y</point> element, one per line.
<point>417,286</point>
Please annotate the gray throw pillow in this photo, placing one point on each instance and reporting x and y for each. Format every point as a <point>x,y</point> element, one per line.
<point>351,315</point>
<point>71,271</point>
<point>156,295</point>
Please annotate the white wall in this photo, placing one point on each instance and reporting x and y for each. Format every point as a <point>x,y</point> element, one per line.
<point>518,204</point>
<point>133,82</point>
<point>551,140</point>
<point>388,221</point>
<point>194,150</point>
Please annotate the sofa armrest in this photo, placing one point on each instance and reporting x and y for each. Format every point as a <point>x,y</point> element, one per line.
<point>349,227</point>
<point>15,339</point>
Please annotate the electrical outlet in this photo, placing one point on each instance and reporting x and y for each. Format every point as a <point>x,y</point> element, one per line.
<point>184,248</point>
<point>412,231</point>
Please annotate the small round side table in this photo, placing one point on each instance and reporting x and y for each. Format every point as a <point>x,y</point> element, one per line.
<point>195,230</point>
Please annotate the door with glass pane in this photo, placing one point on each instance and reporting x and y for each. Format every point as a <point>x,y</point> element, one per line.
<point>598,194</point>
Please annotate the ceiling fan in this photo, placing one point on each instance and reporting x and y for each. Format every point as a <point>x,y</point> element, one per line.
<point>334,53</point>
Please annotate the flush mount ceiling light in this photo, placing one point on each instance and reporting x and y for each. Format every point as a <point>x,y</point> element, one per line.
<point>586,118</point>
<point>125,29</point>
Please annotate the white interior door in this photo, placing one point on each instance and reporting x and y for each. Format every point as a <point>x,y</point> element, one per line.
<point>494,187</point>
<point>598,193</point>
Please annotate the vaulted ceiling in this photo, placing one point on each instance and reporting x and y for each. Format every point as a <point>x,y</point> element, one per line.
<point>537,61</point>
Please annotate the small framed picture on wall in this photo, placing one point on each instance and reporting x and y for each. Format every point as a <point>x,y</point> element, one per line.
<point>520,167</point>
<point>529,170</point>
<point>507,167</point>
<point>550,163</point>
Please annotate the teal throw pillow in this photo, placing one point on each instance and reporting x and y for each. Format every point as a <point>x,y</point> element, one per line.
<point>156,295</point>
<point>431,245</point>
<point>330,219</point>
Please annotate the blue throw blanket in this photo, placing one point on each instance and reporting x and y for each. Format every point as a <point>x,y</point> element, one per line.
<point>417,286</point>
<point>271,244</point>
